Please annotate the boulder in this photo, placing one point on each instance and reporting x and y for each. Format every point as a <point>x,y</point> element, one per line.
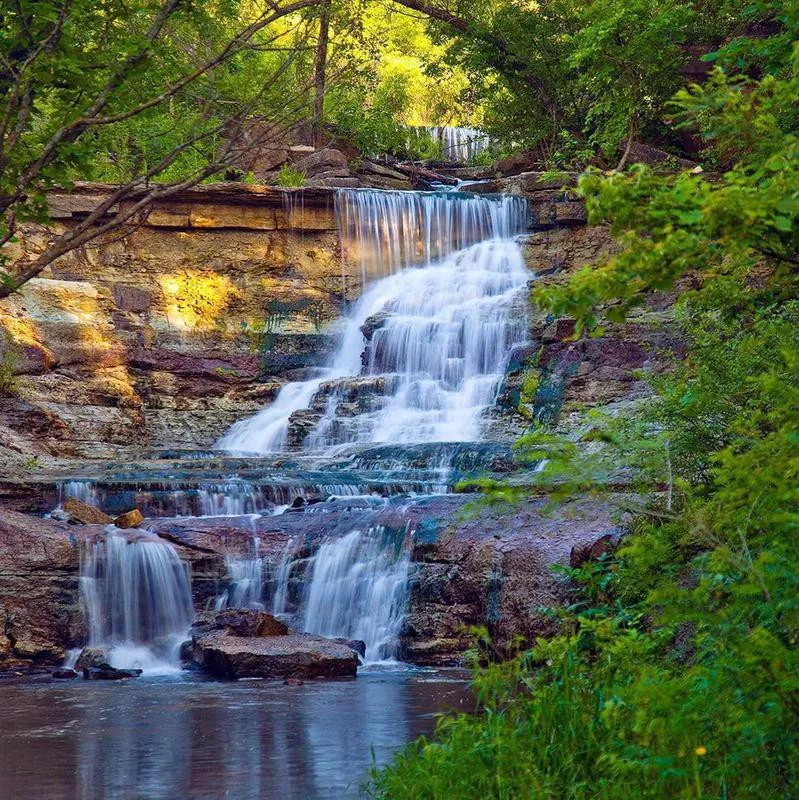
<point>241,623</point>
<point>105,672</point>
<point>321,161</point>
<point>91,657</point>
<point>84,514</point>
<point>295,656</point>
<point>130,519</point>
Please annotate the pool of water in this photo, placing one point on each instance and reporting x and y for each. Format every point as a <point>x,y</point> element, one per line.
<point>189,739</point>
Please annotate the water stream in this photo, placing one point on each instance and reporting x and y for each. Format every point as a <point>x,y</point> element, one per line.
<point>423,351</point>
<point>136,594</point>
<point>420,358</point>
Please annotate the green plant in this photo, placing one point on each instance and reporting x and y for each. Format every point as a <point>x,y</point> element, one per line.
<point>9,364</point>
<point>675,671</point>
<point>290,178</point>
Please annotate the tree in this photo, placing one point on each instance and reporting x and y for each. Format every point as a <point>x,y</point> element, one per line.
<point>74,73</point>
<point>320,66</point>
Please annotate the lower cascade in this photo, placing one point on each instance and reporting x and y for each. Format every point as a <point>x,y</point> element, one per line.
<point>137,599</point>
<point>358,589</point>
<point>353,586</point>
<point>246,582</point>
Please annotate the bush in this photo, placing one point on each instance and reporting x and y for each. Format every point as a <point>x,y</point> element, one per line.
<point>290,178</point>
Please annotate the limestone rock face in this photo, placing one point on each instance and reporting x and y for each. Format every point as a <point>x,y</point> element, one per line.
<point>157,337</point>
<point>494,571</point>
<point>40,614</point>
<point>294,656</point>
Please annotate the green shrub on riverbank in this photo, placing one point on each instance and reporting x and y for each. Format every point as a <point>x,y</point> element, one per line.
<point>676,674</point>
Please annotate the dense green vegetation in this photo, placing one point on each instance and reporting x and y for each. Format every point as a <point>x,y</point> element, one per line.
<point>677,672</point>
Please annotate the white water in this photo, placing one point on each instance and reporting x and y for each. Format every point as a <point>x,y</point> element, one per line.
<point>442,332</point>
<point>246,582</point>
<point>356,588</point>
<point>460,143</point>
<point>385,232</point>
<point>136,595</point>
<point>85,491</point>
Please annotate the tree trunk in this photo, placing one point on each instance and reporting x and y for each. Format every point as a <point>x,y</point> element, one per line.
<point>320,70</point>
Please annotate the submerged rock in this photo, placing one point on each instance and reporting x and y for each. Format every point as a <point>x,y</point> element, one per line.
<point>65,673</point>
<point>105,672</point>
<point>296,656</point>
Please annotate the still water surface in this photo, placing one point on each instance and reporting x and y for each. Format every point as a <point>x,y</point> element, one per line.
<point>191,739</point>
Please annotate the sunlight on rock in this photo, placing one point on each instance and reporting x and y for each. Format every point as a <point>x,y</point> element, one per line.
<point>195,299</point>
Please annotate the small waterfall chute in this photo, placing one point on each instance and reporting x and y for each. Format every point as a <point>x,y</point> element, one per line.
<point>246,586</point>
<point>356,587</point>
<point>136,594</point>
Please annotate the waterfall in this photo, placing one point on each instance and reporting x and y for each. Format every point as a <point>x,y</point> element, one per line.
<point>356,588</point>
<point>439,341</point>
<point>460,143</point>
<point>246,581</point>
<point>231,499</point>
<point>136,595</point>
<point>387,231</point>
<point>429,344</point>
<point>85,491</point>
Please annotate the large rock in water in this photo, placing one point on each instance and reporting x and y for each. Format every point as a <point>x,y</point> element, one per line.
<point>296,655</point>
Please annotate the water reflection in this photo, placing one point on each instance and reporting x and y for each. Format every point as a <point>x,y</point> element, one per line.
<point>197,739</point>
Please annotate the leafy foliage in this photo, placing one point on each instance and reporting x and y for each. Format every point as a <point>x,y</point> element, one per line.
<point>675,675</point>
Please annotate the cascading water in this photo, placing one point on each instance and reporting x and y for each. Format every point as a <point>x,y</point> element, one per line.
<point>460,143</point>
<point>388,231</point>
<point>85,491</point>
<point>136,595</point>
<point>440,334</point>
<point>356,587</point>
<point>420,358</point>
<point>246,582</point>
<point>440,342</point>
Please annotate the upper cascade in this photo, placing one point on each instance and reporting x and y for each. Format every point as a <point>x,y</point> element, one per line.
<point>388,231</point>
<point>460,143</point>
<point>425,348</point>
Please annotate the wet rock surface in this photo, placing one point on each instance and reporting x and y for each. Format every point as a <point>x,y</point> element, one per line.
<point>83,514</point>
<point>105,672</point>
<point>40,615</point>
<point>298,656</point>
